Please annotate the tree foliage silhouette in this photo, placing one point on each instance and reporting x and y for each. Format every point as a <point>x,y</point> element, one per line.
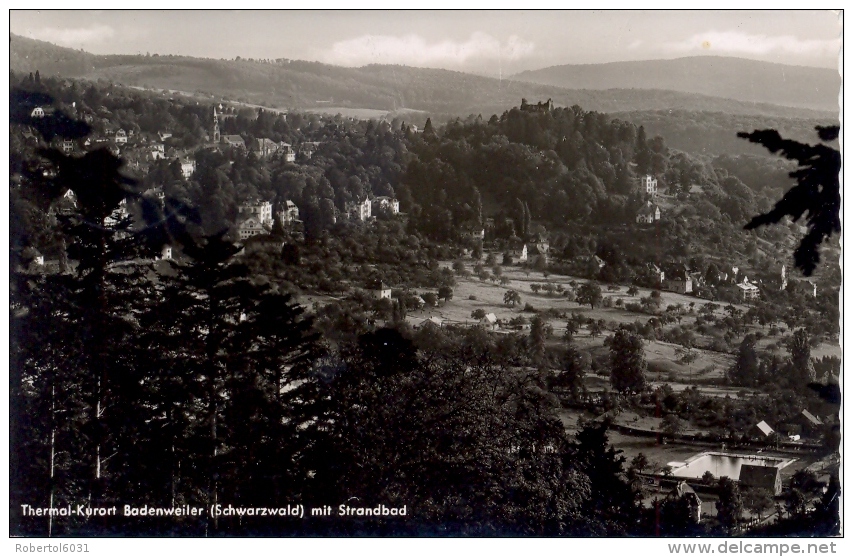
<point>817,191</point>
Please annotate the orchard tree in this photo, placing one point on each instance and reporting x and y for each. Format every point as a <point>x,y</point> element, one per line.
<point>512,298</point>
<point>686,356</point>
<point>571,330</point>
<point>589,293</point>
<point>595,329</point>
<point>640,462</point>
<point>671,425</point>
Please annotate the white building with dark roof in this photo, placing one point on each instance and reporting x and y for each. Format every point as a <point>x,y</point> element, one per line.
<point>386,203</point>
<point>648,214</point>
<point>489,321</point>
<point>289,213</point>
<point>379,290</point>
<point>261,210</point>
<point>252,226</point>
<point>187,167</point>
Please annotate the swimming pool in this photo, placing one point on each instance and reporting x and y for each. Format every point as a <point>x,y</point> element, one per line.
<point>723,464</point>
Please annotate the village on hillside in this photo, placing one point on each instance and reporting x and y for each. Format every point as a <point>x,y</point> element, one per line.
<point>318,290</point>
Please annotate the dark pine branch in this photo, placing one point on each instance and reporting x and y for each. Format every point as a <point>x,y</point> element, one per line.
<point>817,193</point>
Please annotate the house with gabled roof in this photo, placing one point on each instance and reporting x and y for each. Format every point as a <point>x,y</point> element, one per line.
<point>265,147</point>
<point>379,289</point>
<point>431,322</point>
<point>233,141</point>
<point>683,490</point>
<point>762,477</point>
<point>288,213</point>
<point>810,419</point>
<point>677,279</point>
<point>252,226</point>
<point>289,153</point>
<point>658,274</point>
<point>386,203</point>
<point>489,321</point>
<point>307,148</point>
<point>763,429</point>
<point>648,214</point>
<point>261,210</point>
<point>158,151</point>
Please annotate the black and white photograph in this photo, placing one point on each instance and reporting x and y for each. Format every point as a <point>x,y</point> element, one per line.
<point>426,274</point>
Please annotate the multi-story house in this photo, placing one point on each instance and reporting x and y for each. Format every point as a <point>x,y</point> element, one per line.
<point>360,210</point>
<point>261,210</point>
<point>648,214</point>
<point>648,185</point>
<point>289,213</point>
<point>387,204</point>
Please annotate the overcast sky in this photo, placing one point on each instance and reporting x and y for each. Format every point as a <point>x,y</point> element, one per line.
<point>485,42</point>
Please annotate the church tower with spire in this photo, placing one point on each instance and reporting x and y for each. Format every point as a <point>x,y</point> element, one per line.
<point>216,125</point>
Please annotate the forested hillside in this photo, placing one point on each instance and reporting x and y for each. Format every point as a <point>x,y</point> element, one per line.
<point>710,132</point>
<point>719,76</point>
<point>299,84</point>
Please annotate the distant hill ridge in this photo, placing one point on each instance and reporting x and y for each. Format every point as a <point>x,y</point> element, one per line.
<point>305,85</point>
<point>719,76</point>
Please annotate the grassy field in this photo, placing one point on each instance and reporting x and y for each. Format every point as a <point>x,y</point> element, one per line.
<point>470,294</point>
<point>489,296</point>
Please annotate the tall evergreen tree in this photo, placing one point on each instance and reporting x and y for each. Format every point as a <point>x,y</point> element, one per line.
<point>614,503</point>
<point>729,505</point>
<point>627,362</point>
